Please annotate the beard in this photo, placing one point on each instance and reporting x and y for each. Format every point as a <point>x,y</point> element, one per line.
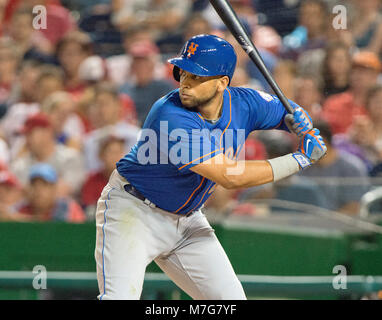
<point>192,102</point>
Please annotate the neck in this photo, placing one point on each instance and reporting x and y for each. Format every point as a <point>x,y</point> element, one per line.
<point>212,109</point>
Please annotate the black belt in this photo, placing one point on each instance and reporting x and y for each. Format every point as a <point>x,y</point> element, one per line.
<point>134,192</point>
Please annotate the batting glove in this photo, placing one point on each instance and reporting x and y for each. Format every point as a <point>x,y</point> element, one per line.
<point>299,122</point>
<point>311,149</point>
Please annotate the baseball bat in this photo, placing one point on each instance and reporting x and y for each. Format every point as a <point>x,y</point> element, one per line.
<point>230,19</point>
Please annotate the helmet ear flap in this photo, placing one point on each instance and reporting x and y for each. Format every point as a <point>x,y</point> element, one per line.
<point>175,73</point>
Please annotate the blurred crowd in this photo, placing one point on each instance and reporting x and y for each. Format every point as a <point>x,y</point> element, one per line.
<point>74,95</point>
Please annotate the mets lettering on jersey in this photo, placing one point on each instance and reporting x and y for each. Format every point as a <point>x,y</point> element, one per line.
<point>174,139</point>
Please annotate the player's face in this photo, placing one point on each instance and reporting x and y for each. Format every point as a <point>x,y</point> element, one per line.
<point>196,91</point>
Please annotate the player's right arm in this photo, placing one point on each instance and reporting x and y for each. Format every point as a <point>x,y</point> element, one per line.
<point>233,174</point>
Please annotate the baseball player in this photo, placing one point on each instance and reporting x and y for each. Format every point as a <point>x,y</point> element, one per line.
<point>151,207</point>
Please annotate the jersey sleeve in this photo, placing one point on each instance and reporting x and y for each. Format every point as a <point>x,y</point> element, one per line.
<point>183,140</point>
<point>266,111</point>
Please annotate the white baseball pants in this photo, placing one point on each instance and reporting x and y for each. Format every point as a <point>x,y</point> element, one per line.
<point>130,235</point>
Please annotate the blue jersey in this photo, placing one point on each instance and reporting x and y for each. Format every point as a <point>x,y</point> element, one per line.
<point>174,139</point>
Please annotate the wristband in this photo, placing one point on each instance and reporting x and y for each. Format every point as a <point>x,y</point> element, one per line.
<point>287,165</point>
<point>302,160</point>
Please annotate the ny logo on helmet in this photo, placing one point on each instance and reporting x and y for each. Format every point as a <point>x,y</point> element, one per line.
<point>191,49</point>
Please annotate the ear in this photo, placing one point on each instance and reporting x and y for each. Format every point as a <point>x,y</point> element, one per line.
<point>223,83</point>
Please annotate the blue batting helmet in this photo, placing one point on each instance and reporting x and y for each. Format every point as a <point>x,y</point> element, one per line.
<point>206,55</point>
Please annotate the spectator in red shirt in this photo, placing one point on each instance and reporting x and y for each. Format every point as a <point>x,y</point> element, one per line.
<point>43,203</point>
<point>339,110</point>
<point>111,150</point>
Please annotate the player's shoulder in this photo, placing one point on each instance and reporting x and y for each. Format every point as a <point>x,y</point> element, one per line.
<point>169,108</point>
<point>249,94</point>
